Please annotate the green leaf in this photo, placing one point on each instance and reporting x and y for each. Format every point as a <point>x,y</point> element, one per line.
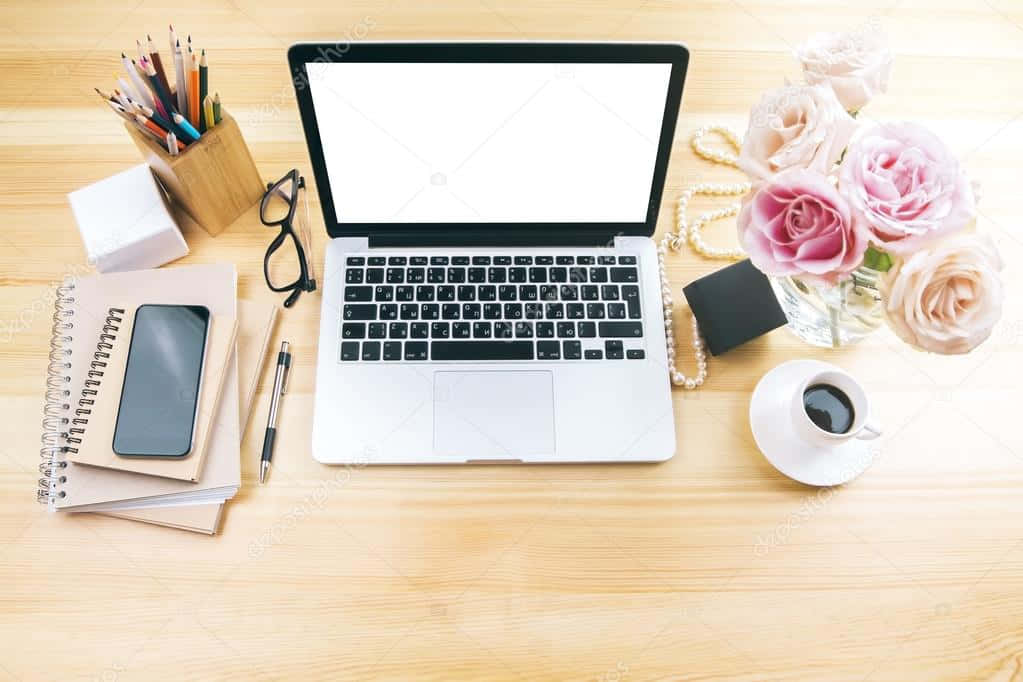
<point>875,259</point>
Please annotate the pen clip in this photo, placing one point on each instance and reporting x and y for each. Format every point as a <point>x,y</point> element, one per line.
<point>286,377</point>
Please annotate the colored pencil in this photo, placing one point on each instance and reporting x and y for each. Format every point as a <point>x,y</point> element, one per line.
<point>154,87</point>
<point>207,108</point>
<point>172,39</point>
<point>160,120</point>
<point>216,108</point>
<point>172,144</point>
<point>182,90</point>
<point>157,62</point>
<point>186,126</point>
<point>193,93</point>
<point>162,94</point>
<point>141,90</point>
<point>203,88</point>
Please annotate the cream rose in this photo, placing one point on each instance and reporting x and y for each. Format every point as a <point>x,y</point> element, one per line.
<point>855,65</point>
<point>945,299</point>
<point>796,126</point>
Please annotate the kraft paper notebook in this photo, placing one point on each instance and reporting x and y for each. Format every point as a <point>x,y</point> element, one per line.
<point>83,312</point>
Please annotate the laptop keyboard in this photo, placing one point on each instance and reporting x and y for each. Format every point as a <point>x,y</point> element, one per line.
<point>491,308</point>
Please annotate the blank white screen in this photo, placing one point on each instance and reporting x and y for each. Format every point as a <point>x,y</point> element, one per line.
<point>489,142</point>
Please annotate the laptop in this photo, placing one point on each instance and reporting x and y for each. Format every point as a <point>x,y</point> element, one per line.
<point>491,290</point>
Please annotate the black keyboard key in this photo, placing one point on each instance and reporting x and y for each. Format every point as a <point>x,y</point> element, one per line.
<point>575,311</point>
<point>440,330</point>
<point>566,330</point>
<point>481,350</point>
<point>594,354</point>
<point>392,350</point>
<point>467,292</point>
<point>446,293</point>
<point>548,292</point>
<point>353,276</point>
<point>471,311</point>
<point>626,260</point>
<point>424,293</point>
<point>359,311</point>
<point>371,351</point>
<point>533,311</point>
<point>456,275</point>
<point>630,293</point>
<point>527,292</point>
<point>564,260</point>
<point>377,330</point>
<point>516,275</point>
<point>613,350</point>
<point>569,292</point>
<point>353,330</point>
<point>477,275</point>
<point>598,274</point>
<point>355,260</point>
<point>356,294</point>
<point>502,260</point>
<point>416,275</point>
<point>384,293</point>
<point>572,350</point>
<point>523,260</point>
<point>450,311</point>
<point>497,275</point>
<point>395,275</point>
<point>590,292</point>
<point>513,311</point>
<point>418,260</point>
<point>503,330</point>
<point>554,311</point>
<point>537,275</point>
<point>407,293</point>
<point>620,330</point>
<point>548,350</point>
<point>481,330</point>
<point>587,330</point>
<point>616,311</point>
<point>606,260</point>
<point>585,260</point>
<point>609,292</point>
<point>460,260</point>
<point>438,260</point>
<point>397,330</point>
<point>461,330</point>
<point>409,311</point>
<point>486,292</point>
<point>491,311</point>
<point>435,275</point>
<point>349,351</point>
<point>506,292</point>
<point>544,260</point>
<point>523,330</point>
<point>559,275</point>
<point>416,350</point>
<point>419,330</point>
<point>481,260</point>
<point>397,260</point>
<point>545,330</point>
<point>375,276</point>
<point>595,311</point>
<point>635,354</point>
<point>429,311</point>
<point>377,261</point>
<point>578,275</point>
<point>388,311</point>
<point>624,275</point>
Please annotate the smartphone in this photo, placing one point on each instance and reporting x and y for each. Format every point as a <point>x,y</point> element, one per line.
<point>160,395</point>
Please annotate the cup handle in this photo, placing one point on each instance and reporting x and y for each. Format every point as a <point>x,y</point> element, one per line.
<point>870,430</point>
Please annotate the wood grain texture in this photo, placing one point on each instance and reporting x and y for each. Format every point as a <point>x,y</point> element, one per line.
<point>710,566</point>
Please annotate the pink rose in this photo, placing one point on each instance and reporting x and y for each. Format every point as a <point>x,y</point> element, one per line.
<point>796,126</point>
<point>945,299</point>
<point>798,224</point>
<point>903,182</point>
<point>855,65</point>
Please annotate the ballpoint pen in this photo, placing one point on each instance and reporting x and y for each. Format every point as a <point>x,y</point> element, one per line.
<point>280,386</point>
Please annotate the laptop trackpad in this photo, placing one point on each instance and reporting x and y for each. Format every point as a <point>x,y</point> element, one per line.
<point>493,415</point>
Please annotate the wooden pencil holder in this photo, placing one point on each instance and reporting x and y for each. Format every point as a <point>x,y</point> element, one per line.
<point>214,179</point>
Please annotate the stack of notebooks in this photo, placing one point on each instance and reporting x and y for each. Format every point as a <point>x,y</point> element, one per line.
<point>89,348</point>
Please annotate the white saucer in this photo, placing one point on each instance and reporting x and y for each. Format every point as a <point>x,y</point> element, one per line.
<point>771,420</point>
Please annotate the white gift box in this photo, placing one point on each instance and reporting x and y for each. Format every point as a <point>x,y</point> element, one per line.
<point>125,222</point>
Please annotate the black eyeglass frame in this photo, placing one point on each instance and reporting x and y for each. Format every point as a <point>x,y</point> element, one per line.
<point>304,282</point>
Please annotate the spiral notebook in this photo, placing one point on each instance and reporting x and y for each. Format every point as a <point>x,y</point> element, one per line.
<point>86,310</point>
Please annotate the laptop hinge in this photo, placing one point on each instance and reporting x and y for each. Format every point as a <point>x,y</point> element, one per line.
<point>483,238</point>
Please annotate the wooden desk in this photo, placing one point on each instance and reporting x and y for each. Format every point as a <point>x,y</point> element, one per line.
<point>710,566</point>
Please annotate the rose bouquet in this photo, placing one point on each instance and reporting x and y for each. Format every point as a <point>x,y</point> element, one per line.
<point>880,215</point>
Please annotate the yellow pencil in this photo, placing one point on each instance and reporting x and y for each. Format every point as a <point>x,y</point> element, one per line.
<point>207,108</point>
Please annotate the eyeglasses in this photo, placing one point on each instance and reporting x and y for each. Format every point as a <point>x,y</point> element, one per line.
<point>286,265</point>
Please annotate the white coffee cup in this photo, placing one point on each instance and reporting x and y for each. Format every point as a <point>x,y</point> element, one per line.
<point>863,427</point>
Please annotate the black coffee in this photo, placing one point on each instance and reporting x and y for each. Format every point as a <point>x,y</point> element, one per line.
<point>829,408</point>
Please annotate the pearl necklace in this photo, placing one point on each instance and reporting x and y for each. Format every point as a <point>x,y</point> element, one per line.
<point>692,235</point>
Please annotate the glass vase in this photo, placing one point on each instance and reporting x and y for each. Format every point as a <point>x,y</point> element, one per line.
<point>832,316</point>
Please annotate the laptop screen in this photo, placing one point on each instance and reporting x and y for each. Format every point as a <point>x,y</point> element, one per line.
<point>432,142</point>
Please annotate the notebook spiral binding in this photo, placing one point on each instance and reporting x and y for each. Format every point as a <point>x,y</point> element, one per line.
<point>62,428</point>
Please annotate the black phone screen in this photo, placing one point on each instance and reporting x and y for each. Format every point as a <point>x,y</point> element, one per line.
<point>156,416</point>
